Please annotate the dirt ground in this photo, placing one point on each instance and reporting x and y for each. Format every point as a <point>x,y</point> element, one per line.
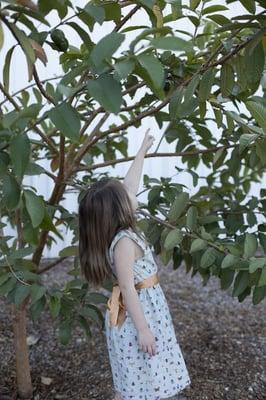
<point>222,341</point>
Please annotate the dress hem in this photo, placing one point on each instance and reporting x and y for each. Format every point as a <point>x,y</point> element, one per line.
<point>159,397</point>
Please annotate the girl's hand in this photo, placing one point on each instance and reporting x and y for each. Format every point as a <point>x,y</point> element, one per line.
<point>147,141</point>
<point>147,341</point>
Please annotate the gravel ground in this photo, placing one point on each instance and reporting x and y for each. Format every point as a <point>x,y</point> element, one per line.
<point>222,341</point>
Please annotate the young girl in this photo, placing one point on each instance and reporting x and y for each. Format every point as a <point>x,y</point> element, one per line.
<point>145,357</point>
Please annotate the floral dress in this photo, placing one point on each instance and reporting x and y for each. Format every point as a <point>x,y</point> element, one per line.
<point>136,374</point>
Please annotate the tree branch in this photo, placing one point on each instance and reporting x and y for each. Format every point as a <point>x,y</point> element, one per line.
<point>52,265</point>
<point>40,86</point>
<point>151,155</point>
<point>30,86</point>
<point>126,18</point>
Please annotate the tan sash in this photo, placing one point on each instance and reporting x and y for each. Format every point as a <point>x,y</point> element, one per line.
<point>117,310</point>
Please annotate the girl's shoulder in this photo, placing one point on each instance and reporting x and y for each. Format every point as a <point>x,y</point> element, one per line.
<point>129,233</point>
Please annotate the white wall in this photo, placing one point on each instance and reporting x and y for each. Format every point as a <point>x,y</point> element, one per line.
<point>154,167</point>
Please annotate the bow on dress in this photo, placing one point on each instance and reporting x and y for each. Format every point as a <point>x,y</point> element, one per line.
<point>115,304</point>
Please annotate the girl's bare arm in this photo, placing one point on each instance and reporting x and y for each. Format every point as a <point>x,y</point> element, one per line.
<point>132,178</point>
<point>124,256</point>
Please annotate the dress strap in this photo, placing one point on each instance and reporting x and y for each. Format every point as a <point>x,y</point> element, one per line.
<point>130,234</point>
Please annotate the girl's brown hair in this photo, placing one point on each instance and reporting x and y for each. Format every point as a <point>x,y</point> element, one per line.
<point>105,208</point>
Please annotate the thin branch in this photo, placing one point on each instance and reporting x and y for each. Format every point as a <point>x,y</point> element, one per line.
<point>40,86</point>
<point>150,155</point>
<point>61,170</point>
<point>126,18</point>
<point>15,275</point>
<point>9,98</point>
<point>51,265</point>
<point>30,86</point>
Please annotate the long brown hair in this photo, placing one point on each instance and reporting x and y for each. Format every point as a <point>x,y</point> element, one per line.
<point>104,209</point>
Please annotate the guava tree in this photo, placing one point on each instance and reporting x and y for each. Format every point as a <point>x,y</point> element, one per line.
<point>204,87</point>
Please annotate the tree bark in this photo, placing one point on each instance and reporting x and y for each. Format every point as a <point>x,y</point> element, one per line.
<point>24,383</point>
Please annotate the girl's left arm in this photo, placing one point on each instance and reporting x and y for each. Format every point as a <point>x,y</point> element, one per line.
<point>132,178</point>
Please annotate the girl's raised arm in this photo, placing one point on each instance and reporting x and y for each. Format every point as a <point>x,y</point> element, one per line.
<point>132,178</point>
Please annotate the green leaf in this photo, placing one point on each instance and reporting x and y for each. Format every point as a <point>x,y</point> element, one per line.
<point>21,253</point>
<point>96,298</point>
<point>106,47</point>
<point>96,12</point>
<point>34,169</point>
<point>261,149</point>
<point>227,276</point>
<point>245,140</point>
<point>37,308</point>
<point>256,263</point>
<point>21,292</point>
<point>6,69</point>
<point>229,260</point>
<point>262,280</point>
<point>198,244</point>
<point>20,153</point>
<point>65,331</point>
<point>192,215</point>
<point>258,112</point>
<point>227,79</point>
<point>66,119</point>
<point>107,91</point>
<point>37,292</point>
<point>7,286</point>
<point>178,206</point>
<point>190,89</point>
<point>212,9</point>
<point>250,245</point>
<point>85,37</point>
<point>4,278</point>
<point>153,67</point>
<point>45,6</point>
<point>11,191</point>
<point>240,283</point>
<point>173,239</point>
<point>171,43</point>
<point>208,258</point>
<point>124,68</point>
<point>35,207</point>
<point>24,42</point>
<point>194,4</point>
<point>1,36</point>
<point>249,5</point>
<point>259,294</point>
<point>219,19</point>
<point>254,59</point>
<point>175,102</point>
<point>54,306</point>
<point>112,12</point>
<point>206,83</point>
<point>90,312</point>
<point>69,251</point>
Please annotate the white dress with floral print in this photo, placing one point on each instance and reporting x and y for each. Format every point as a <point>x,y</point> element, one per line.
<point>136,374</point>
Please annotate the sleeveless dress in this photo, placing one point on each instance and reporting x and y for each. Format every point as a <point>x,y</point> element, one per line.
<point>136,374</point>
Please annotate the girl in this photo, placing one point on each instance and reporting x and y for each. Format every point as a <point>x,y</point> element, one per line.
<point>145,357</point>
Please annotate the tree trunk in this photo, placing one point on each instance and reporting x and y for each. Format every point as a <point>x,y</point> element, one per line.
<point>24,384</point>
